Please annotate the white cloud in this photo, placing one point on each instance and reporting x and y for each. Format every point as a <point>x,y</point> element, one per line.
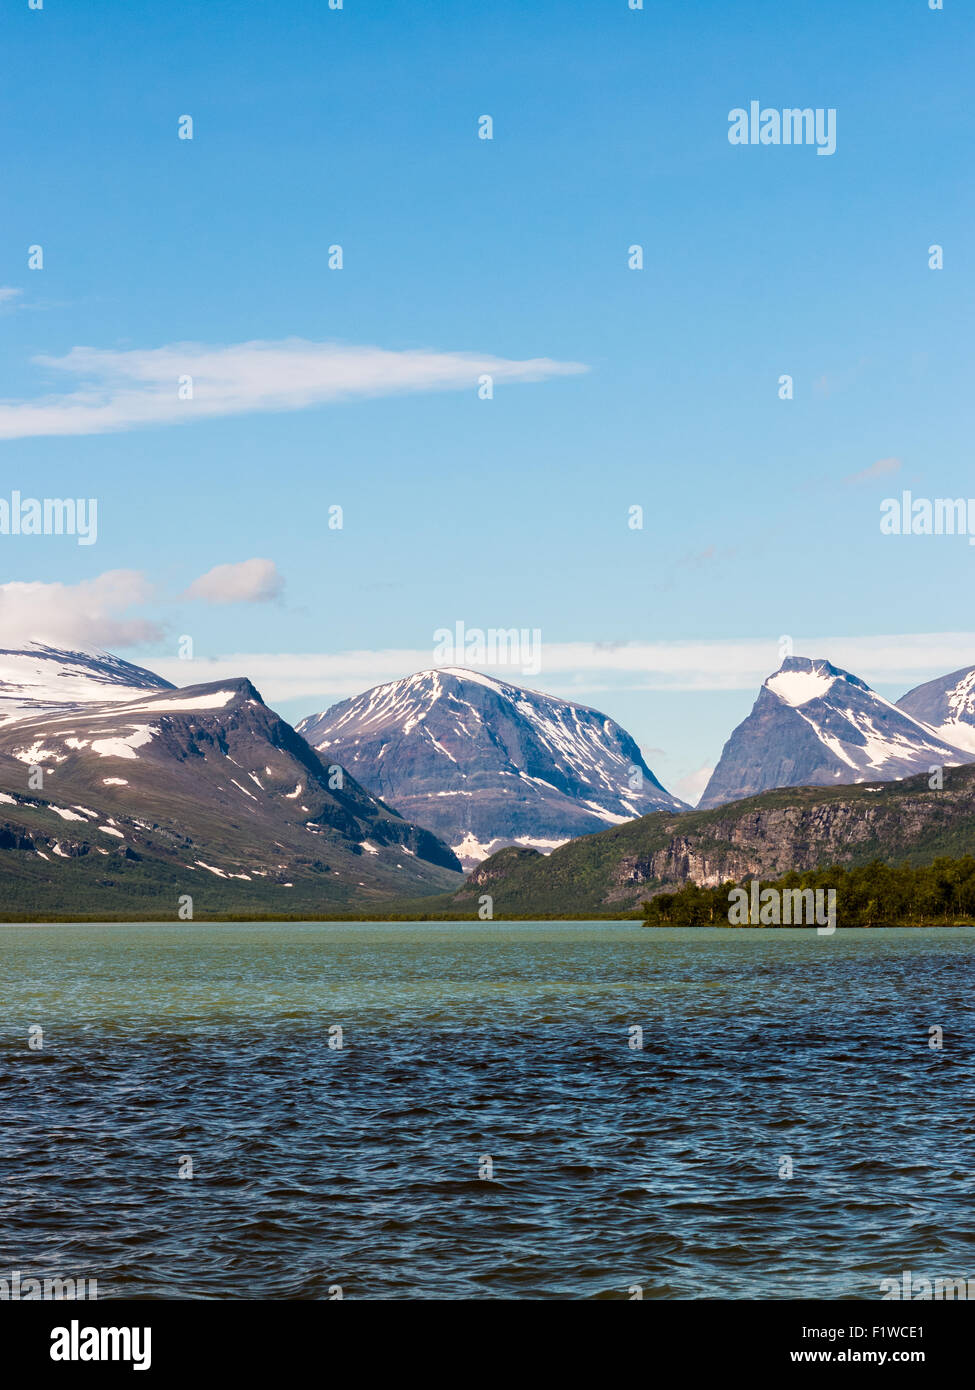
<point>95,612</point>
<point>103,612</point>
<point>248,581</point>
<point>588,671</point>
<point>126,390</point>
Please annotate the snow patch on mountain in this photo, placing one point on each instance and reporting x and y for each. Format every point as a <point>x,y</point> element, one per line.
<point>216,699</point>
<point>36,752</point>
<point>799,687</point>
<point>471,851</point>
<point>120,746</point>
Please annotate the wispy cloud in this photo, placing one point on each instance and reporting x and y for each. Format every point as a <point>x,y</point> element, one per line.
<point>880,469</point>
<point>248,581</point>
<point>590,671</point>
<point>8,297</point>
<point>119,390</point>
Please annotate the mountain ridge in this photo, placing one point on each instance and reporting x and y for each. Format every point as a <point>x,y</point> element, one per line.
<point>122,804</point>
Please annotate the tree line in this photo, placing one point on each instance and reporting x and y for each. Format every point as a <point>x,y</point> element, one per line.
<point>873,895</point>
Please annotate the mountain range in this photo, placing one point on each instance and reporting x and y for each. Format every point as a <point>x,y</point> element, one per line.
<point>134,801</point>
<point>123,795</point>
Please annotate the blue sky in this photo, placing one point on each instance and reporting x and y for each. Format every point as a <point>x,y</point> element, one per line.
<point>358,127</point>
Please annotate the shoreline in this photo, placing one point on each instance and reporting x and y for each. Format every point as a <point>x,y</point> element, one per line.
<point>243,918</point>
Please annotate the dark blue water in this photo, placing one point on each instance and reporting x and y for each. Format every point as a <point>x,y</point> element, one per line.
<point>316,1167</point>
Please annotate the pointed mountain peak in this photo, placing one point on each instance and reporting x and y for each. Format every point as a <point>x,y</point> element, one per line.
<point>815,724</point>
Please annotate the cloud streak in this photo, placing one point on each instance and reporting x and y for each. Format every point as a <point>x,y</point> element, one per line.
<point>587,670</point>
<point>146,387</point>
<point>880,469</point>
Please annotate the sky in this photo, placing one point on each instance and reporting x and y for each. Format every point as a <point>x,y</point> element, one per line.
<point>361,387</point>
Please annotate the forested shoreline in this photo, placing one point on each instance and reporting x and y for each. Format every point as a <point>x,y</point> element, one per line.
<point>873,895</point>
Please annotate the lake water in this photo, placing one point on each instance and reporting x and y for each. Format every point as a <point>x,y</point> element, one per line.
<point>316,1166</point>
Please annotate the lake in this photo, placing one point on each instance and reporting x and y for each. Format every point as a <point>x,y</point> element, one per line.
<point>486,1129</point>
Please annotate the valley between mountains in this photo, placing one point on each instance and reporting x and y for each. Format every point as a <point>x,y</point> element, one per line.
<point>124,797</point>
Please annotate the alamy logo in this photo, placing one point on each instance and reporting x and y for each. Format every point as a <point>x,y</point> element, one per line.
<point>20,1288</point>
<point>926,516</point>
<point>50,516</point>
<point>77,1343</point>
<point>793,125</point>
<point>917,1287</point>
<point>493,646</point>
<point>783,907</point>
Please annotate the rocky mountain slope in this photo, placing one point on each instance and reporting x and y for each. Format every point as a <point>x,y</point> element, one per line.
<point>947,705</point>
<point>816,725</point>
<point>119,808</point>
<point>763,836</point>
<point>483,763</point>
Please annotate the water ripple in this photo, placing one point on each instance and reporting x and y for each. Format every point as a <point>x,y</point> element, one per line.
<point>364,1167</point>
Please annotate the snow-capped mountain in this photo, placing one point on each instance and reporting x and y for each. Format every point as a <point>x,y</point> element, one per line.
<point>36,677</point>
<point>484,764</point>
<point>948,706</point>
<point>201,790</point>
<point>815,725</point>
